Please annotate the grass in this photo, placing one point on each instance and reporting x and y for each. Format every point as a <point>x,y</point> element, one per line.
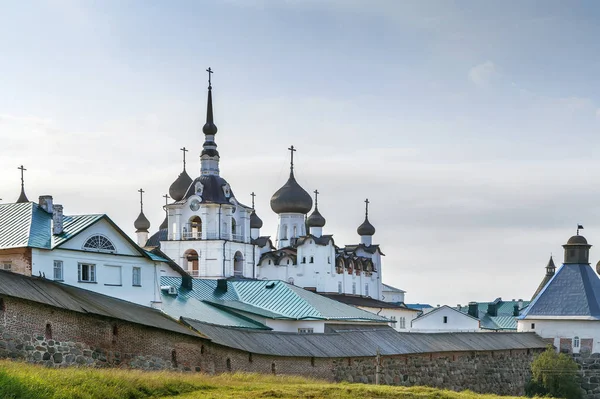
<point>25,381</point>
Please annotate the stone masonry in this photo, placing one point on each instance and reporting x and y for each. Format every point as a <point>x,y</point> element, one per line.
<point>589,374</point>
<point>56,337</point>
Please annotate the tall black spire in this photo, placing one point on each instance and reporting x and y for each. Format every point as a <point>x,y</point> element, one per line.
<point>22,198</point>
<point>210,156</point>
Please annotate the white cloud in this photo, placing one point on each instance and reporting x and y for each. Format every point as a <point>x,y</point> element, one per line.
<point>483,74</point>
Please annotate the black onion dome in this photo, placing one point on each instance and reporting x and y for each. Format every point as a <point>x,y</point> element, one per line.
<point>179,187</point>
<point>212,189</point>
<point>291,198</point>
<point>141,223</point>
<point>366,229</point>
<point>255,222</point>
<point>315,219</point>
<point>577,240</point>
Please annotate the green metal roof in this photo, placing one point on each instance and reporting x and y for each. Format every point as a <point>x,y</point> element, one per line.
<point>505,320</point>
<point>269,299</point>
<point>28,225</point>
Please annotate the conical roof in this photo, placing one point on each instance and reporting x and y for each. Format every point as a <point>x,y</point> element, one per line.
<point>141,223</point>
<point>255,221</point>
<point>180,186</point>
<point>291,198</point>
<point>366,228</point>
<point>315,219</point>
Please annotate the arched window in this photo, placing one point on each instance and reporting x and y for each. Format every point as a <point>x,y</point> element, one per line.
<point>233,226</point>
<point>238,264</point>
<point>312,259</point>
<point>99,243</point>
<point>191,260</point>
<point>194,229</point>
<point>576,342</point>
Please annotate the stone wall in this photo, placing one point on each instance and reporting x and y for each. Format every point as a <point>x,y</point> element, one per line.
<point>58,338</point>
<point>499,372</point>
<point>589,374</point>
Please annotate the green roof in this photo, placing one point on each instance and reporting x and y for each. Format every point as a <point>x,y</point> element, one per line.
<point>274,300</point>
<point>505,319</point>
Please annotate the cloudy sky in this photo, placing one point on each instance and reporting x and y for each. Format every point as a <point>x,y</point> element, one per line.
<point>471,126</point>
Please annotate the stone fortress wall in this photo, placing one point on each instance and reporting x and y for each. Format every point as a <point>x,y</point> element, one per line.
<point>58,338</point>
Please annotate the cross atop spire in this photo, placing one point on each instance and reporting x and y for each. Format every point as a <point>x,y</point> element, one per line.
<point>316,197</point>
<point>292,150</point>
<point>210,72</point>
<point>22,198</point>
<point>253,195</point>
<point>367,202</point>
<point>141,191</point>
<point>184,150</point>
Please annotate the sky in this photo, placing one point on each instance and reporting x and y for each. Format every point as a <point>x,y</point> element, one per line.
<point>472,127</point>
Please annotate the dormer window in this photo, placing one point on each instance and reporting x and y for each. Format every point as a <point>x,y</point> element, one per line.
<point>99,243</point>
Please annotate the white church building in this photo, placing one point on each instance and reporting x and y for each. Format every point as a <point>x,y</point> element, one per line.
<point>212,235</point>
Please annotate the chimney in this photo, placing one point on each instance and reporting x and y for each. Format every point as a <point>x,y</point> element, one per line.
<point>473,309</point>
<point>516,310</point>
<point>520,303</point>
<point>45,202</point>
<point>459,307</point>
<point>221,285</point>
<point>57,219</point>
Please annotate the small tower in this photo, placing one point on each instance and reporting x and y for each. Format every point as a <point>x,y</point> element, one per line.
<point>291,202</point>
<point>182,183</point>
<point>141,224</point>
<point>577,249</point>
<point>550,270</point>
<point>255,222</point>
<point>22,198</point>
<point>316,221</point>
<point>366,229</point>
<point>209,158</point>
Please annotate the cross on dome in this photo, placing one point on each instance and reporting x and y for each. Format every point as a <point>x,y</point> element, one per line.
<point>292,150</point>
<point>184,150</point>
<point>253,195</point>
<point>22,198</point>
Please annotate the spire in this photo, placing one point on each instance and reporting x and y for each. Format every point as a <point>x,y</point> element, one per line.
<point>142,224</point>
<point>22,198</point>
<point>255,221</point>
<point>550,267</point>
<point>210,156</point>
<point>366,228</point>
<point>316,219</point>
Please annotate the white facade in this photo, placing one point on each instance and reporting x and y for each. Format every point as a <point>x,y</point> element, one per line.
<point>392,294</point>
<point>445,319</point>
<point>123,273</point>
<point>402,317</point>
<point>567,334</point>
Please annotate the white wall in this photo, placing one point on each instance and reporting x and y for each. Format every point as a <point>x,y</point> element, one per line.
<point>557,329</point>
<point>392,296</point>
<point>396,314</point>
<point>318,326</point>
<point>434,321</point>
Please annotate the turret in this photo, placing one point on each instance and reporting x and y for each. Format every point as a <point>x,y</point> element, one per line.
<point>291,202</point>
<point>577,249</point>
<point>316,221</point>
<point>366,229</point>
<point>141,224</point>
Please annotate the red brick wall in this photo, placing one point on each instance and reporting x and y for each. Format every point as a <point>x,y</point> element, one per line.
<point>20,258</point>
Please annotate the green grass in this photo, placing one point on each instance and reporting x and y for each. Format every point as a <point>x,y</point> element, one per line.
<point>25,381</point>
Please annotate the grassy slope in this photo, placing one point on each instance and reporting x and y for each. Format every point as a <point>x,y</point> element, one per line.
<point>24,381</point>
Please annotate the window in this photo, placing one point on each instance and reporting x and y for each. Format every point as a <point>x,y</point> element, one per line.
<point>339,287</point>
<point>305,331</point>
<point>354,288</point>
<point>99,243</point>
<point>7,265</point>
<point>87,273</point>
<point>403,322</point>
<point>284,232</point>
<point>393,321</point>
<point>576,342</point>
<point>136,278</point>
<point>58,270</point>
<point>366,289</point>
<point>445,319</point>
<point>329,259</point>
<point>533,326</point>
<point>233,226</point>
<point>304,259</point>
<point>295,232</point>
<point>112,275</point>
<point>312,259</point>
